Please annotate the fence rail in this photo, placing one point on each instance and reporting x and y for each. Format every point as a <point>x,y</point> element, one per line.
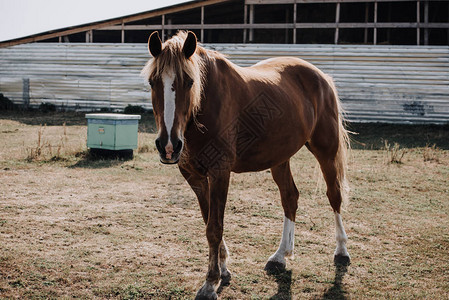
<point>402,84</point>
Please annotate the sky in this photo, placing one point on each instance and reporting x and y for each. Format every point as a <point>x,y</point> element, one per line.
<point>20,18</point>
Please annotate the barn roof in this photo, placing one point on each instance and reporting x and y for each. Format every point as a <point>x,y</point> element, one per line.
<point>250,21</point>
<point>155,8</point>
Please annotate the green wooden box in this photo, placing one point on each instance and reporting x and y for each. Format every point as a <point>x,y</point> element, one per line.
<point>112,131</point>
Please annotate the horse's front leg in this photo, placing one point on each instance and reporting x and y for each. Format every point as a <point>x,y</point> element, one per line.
<point>200,185</point>
<point>214,232</point>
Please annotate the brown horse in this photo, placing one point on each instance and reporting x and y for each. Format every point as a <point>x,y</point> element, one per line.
<point>214,118</point>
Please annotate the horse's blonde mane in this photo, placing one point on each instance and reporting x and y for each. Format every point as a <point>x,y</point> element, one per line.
<point>172,59</point>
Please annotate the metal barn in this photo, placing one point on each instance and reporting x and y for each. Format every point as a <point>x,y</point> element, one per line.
<point>389,59</point>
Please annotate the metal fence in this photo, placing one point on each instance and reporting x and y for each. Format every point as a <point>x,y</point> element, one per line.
<point>401,84</point>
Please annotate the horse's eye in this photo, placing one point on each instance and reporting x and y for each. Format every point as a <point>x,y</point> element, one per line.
<point>151,82</point>
<point>189,83</point>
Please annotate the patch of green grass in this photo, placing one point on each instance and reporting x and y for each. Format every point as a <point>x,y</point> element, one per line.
<point>17,283</point>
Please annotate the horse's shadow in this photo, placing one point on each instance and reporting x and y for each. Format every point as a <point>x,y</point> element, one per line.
<point>336,291</point>
<point>284,281</point>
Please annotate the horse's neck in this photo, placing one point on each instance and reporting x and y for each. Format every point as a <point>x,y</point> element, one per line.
<point>218,98</point>
<point>221,76</point>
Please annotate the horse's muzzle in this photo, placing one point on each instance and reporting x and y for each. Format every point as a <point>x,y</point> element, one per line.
<point>171,156</point>
<point>169,162</point>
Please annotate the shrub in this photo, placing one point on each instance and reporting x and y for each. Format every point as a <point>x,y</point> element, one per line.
<point>45,150</point>
<point>5,103</point>
<point>47,107</point>
<point>134,109</point>
<point>395,153</point>
<point>431,153</point>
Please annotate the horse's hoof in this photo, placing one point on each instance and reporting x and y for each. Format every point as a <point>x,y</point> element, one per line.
<point>342,260</point>
<point>206,292</point>
<point>225,278</point>
<point>274,267</point>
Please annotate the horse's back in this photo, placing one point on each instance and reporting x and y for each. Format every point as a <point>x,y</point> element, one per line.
<point>287,99</point>
<point>290,79</point>
<point>293,75</point>
<point>300,80</point>
<point>282,64</point>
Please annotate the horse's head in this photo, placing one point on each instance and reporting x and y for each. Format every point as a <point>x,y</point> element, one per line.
<point>174,74</point>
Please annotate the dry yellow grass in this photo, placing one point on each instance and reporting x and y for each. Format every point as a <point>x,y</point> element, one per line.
<point>74,227</point>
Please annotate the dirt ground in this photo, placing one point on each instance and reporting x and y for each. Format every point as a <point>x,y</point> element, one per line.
<point>76,227</point>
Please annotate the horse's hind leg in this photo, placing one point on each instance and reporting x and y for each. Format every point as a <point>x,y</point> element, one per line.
<point>289,197</point>
<point>331,161</point>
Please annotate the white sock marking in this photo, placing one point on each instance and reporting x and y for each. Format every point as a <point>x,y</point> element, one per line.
<point>169,101</point>
<point>287,244</point>
<point>223,268</point>
<point>340,236</point>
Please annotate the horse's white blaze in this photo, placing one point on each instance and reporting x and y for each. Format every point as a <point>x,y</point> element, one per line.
<point>340,236</point>
<point>168,79</point>
<point>287,244</point>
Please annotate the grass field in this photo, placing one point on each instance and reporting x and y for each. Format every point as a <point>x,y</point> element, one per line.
<point>74,227</point>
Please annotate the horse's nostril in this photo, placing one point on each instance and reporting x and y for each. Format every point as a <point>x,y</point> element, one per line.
<point>158,146</point>
<point>178,147</point>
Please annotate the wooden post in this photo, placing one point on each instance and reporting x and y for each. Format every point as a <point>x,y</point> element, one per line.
<point>26,92</point>
<point>163,30</point>
<point>251,22</point>
<point>89,36</point>
<point>294,21</point>
<point>418,19</point>
<point>337,20</point>
<point>245,20</point>
<point>365,34</point>
<point>426,23</point>
<point>375,23</point>
<point>168,32</point>
<point>202,24</point>
<point>286,28</point>
<point>123,32</point>
<point>389,21</point>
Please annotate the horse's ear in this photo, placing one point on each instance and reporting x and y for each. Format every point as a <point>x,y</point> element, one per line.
<point>154,44</point>
<point>189,45</point>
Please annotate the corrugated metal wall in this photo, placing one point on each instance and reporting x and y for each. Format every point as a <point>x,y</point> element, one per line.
<point>403,84</point>
<point>81,76</point>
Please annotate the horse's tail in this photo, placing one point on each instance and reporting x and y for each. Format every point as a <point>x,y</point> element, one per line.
<point>341,159</point>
